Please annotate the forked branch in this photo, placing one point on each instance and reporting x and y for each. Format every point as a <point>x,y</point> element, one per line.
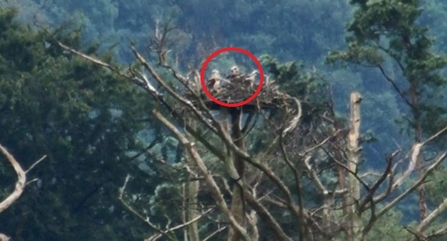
<point>21,179</point>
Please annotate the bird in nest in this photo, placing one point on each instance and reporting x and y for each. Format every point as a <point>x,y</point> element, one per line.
<point>251,78</point>
<point>235,73</point>
<point>237,77</point>
<point>215,81</point>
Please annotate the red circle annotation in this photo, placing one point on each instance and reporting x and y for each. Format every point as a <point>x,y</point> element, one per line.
<point>223,50</point>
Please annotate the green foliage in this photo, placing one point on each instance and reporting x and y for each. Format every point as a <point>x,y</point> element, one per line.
<point>387,229</point>
<point>84,118</point>
<point>436,186</point>
<point>164,195</point>
<point>254,25</point>
<point>386,36</point>
<point>279,28</point>
<point>295,80</point>
<point>388,30</point>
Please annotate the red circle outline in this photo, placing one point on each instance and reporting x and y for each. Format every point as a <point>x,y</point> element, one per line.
<point>208,60</point>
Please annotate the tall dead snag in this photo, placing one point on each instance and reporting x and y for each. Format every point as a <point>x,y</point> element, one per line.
<point>270,98</point>
<point>315,151</point>
<point>172,116</point>
<point>180,104</point>
<point>353,155</point>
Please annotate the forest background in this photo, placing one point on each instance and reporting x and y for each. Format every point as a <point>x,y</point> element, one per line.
<point>90,149</point>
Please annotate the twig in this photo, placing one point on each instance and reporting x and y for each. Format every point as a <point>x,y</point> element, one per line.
<point>35,163</point>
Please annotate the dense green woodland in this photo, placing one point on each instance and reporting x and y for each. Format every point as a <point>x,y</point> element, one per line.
<point>96,127</point>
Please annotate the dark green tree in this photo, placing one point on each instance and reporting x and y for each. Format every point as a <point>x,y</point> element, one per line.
<point>85,119</point>
<point>386,36</point>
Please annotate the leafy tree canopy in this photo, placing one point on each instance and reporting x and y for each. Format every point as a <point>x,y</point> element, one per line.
<point>84,118</point>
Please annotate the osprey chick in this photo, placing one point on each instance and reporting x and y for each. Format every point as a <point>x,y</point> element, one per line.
<point>252,77</point>
<point>235,70</point>
<point>235,73</point>
<point>214,81</point>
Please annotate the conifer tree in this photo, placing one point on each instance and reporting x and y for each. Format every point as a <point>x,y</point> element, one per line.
<point>388,31</point>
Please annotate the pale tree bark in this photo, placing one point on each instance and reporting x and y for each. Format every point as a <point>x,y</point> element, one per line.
<point>193,210</point>
<point>353,154</point>
<point>237,202</point>
<point>191,202</point>
<point>20,184</point>
<point>4,237</point>
<point>21,181</point>
<point>413,101</point>
<point>416,111</point>
<point>191,190</point>
<point>184,213</point>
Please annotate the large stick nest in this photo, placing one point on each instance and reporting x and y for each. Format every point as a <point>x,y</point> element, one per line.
<point>237,91</point>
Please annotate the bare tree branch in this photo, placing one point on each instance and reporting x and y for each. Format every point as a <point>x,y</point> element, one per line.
<point>217,194</point>
<point>21,181</point>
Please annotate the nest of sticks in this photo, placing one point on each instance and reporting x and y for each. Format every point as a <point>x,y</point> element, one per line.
<point>238,91</point>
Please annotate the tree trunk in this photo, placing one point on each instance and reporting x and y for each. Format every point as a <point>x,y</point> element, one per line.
<point>192,209</point>
<point>418,138</point>
<point>237,202</point>
<point>191,203</point>
<point>353,154</point>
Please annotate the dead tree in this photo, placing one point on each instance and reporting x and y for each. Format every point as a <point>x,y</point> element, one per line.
<point>350,207</point>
